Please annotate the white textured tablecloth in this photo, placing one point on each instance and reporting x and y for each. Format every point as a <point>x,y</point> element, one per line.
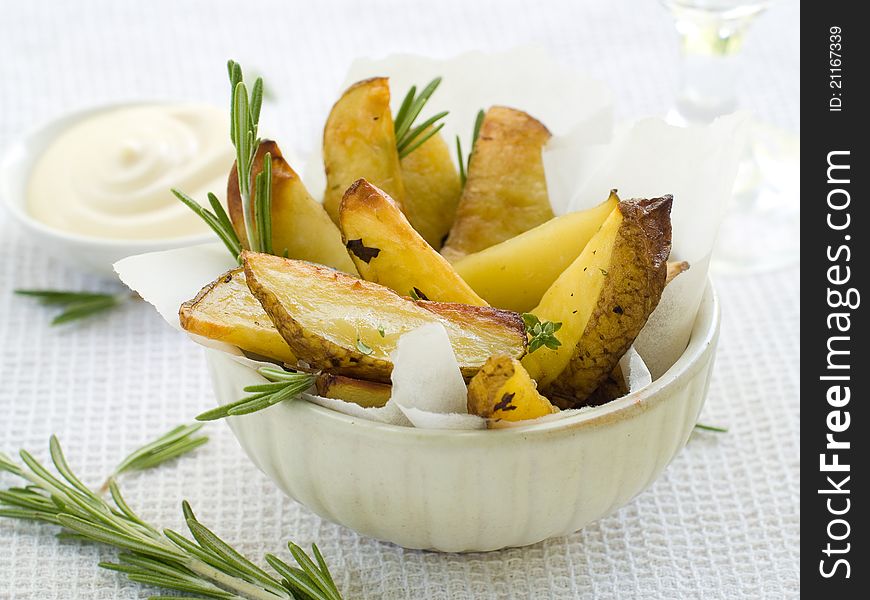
<point>722,522</point>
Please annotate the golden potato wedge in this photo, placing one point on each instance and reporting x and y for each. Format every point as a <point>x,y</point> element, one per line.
<point>368,394</point>
<point>432,189</point>
<point>604,299</point>
<point>348,326</point>
<point>225,310</point>
<point>502,389</point>
<point>505,193</point>
<point>516,273</point>
<point>359,141</point>
<point>387,250</point>
<point>299,224</point>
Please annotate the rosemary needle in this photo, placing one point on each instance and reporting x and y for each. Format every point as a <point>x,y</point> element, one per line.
<point>172,444</point>
<point>410,136</point>
<point>283,385</point>
<point>76,305</point>
<point>713,428</point>
<point>465,162</point>
<point>206,565</point>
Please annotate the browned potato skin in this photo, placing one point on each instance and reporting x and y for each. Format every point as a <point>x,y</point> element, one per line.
<point>614,385</point>
<point>475,332</point>
<point>394,254</point>
<point>368,394</point>
<point>610,389</point>
<point>636,278</point>
<point>505,193</point>
<point>226,311</point>
<point>432,189</point>
<point>299,223</point>
<point>359,141</point>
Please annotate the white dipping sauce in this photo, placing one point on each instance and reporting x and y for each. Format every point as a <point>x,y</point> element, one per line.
<point>109,175</point>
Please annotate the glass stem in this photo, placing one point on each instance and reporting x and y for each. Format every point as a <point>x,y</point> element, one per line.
<point>709,49</point>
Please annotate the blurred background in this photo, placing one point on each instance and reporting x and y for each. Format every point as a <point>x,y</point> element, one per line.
<point>64,55</point>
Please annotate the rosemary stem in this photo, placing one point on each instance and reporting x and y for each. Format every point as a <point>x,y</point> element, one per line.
<point>234,584</point>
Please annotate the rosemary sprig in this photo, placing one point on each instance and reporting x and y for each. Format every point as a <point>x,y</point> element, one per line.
<point>409,136</point>
<point>172,444</point>
<point>76,305</point>
<point>464,162</point>
<point>284,385</point>
<point>257,210</point>
<point>244,124</point>
<point>541,333</point>
<point>218,220</point>
<point>205,565</point>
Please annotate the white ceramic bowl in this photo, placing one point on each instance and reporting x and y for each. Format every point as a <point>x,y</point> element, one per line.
<point>459,491</point>
<point>90,253</point>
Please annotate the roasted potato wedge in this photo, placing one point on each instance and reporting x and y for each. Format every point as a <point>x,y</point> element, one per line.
<point>348,326</point>
<point>604,299</point>
<point>227,311</point>
<point>299,224</point>
<point>387,250</point>
<point>359,141</point>
<point>502,389</point>
<point>505,193</point>
<point>368,394</point>
<point>432,189</point>
<point>516,273</point>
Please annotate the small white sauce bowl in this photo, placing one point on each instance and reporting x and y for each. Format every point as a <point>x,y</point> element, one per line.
<point>93,254</point>
<point>463,491</point>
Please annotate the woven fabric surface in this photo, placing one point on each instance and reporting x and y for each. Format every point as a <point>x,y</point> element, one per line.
<point>723,520</point>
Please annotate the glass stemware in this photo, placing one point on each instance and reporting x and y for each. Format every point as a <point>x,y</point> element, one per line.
<point>761,229</point>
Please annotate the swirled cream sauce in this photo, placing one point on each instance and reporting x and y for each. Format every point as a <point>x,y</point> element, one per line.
<point>109,175</point>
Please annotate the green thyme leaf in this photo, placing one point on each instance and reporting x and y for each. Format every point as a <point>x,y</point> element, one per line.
<point>541,334</point>
<point>363,347</point>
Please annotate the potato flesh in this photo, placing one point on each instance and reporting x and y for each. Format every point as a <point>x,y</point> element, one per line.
<point>432,189</point>
<point>502,389</point>
<point>516,273</point>
<point>505,193</point>
<point>330,320</point>
<point>571,300</point>
<point>359,141</point>
<point>391,253</point>
<point>368,394</point>
<point>604,299</point>
<point>299,224</point>
<point>226,311</point>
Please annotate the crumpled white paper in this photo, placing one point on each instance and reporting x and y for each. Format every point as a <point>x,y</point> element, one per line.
<point>586,157</point>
